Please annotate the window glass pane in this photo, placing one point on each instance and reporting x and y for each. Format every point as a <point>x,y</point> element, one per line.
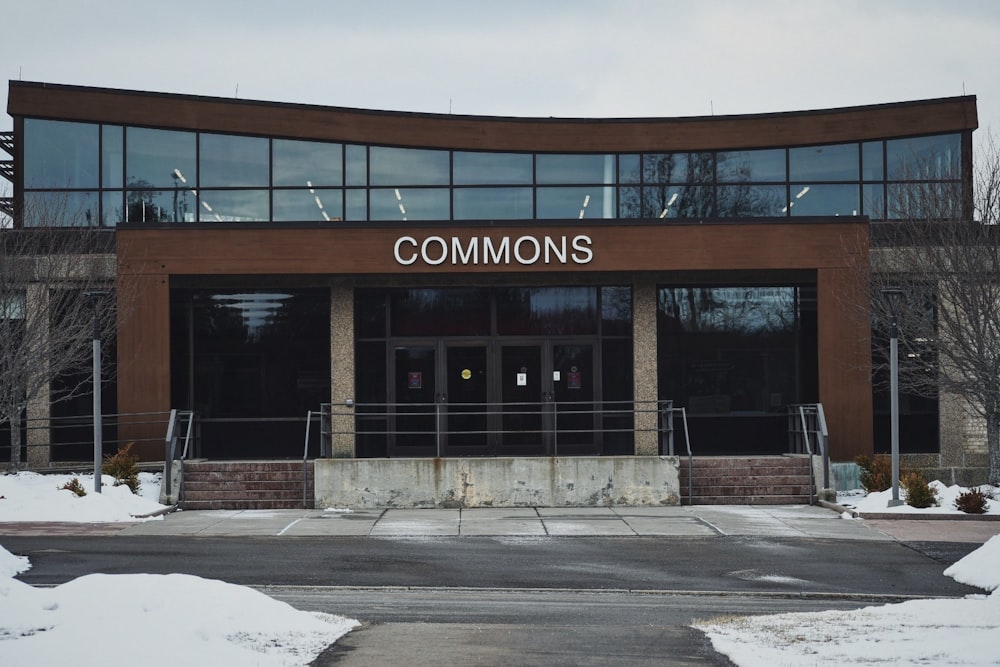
<point>752,166</point>
<point>159,158</point>
<point>629,202</point>
<point>307,163</point>
<point>454,311</point>
<point>616,311</point>
<point>576,203</point>
<point>873,204</point>
<point>61,209</point>
<point>871,161</point>
<point>308,205</point>
<point>112,208</point>
<point>370,313</point>
<point>58,154</point>
<point>492,168</point>
<point>824,163</point>
<point>751,201</point>
<point>932,200</point>
<point>160,206</point>
<point>356,205</point>
<point>546,310</point>
<point>570,169</point>
<point>628,168</point>
<point>825,200</point>
<point>112,156</point>
<point>492,203</point>
<point>401,204</point>
<point>678,201</point>
<point>233,205</point>
<point>356,164</point>
<point>409,166</point>
<point>678,168</point>
<point>233,161</point>
<point>924,158</point>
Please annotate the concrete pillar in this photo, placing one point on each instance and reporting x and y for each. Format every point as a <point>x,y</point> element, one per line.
<point>342,369</point>
<point>644,367</point>
<point>39,410</point>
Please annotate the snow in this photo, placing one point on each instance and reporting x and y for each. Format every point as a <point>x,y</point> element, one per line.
<point>138,619</point>
<point>877,502</point>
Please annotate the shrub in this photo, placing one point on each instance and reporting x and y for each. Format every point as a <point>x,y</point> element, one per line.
<point>876,473</point>
<point>918,492</point>
<point>973,501</point>
<point>122,466</point>
<point>74,486</point>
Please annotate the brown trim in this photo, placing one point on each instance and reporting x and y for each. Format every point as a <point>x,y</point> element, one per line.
<point>799,128</point>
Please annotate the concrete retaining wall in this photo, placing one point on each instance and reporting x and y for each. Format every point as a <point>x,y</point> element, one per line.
<point>498,482</point>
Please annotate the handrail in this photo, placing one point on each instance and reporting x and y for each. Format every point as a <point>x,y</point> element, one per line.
<point>812,419</point>
<point>171,445</point>
<point>305,457</point>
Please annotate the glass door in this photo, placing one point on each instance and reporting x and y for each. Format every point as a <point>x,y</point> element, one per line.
<point>521,387</point>
<point>466,383</point>
<point>574,420</point>
<point>413,419</point>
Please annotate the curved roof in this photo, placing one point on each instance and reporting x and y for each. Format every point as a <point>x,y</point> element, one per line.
<point>217,114</point>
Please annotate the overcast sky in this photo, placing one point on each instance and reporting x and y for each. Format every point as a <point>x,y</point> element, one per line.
<point>582,58</point>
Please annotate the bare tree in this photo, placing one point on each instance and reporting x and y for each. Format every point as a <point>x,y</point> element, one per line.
<point>946,258</point>
<point>47,319</point>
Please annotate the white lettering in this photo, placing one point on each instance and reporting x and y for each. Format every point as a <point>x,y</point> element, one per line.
<point>466,255</point>
<point>409,240</point>
<point>444,250</point>
<point>500,255</point>
<point>517,250</point>
<point>551,247</point>
<point>583,253</point>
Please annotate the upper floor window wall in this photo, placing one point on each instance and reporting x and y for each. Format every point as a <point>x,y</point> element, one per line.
<point>139,175</point>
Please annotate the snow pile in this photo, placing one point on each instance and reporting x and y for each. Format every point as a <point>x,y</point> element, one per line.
<point>920,632</point>
<point>877,502</point>
<point>29,496</point>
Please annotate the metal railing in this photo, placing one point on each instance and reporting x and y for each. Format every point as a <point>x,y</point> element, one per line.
<point>806,428</point>
<point>181,421</point>
<point>554,428</point>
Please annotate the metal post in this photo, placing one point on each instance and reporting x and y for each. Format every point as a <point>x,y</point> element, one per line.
<point>893,295</point>
<point>98,421</point>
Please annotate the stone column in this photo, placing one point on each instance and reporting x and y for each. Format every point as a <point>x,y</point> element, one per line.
<point>342,369</point>
<point>39,410</point>
<point>644,367</point>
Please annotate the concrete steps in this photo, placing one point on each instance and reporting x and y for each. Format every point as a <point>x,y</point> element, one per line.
<point>746,480</point>
<point>217,485</point>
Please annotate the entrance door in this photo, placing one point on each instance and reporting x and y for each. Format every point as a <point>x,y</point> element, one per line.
<point>574,420</point>
<point>466,384</point>
<point>522,430</point>
<point>413,420</point>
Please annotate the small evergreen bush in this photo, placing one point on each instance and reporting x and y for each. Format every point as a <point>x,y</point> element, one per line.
<point>122,466</point>
<point>918,492</point>
<point>74,486</point>
<point>876,472</point>
<point>973,501</point>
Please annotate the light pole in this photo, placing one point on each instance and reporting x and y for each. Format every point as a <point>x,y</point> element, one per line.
<point>95,297</point>
<point>893,296</point>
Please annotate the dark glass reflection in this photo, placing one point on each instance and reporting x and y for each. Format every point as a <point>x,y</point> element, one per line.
<point>678,201</point>
<point>307,163</point>
<point>751,201</point>
<point>148,206</point>
<point>61,209</point>
<point>159,159</point>
<point>751,166</point>
<point>112,156</point>
<point>355,165</point>
<point>456,311</point>
<point>573,169</point>
<point>921,158</point>
<point>403,204</point>
<point>233,205</point>
<point>492,168</point>
<point>232,161</point>
<point>678,168</point>
<point>492,204</point>
<point>409,166</point>
<point>616,311</point>
<point>578,203</point>
<point>825,200</point>
<point>59,154</point>
<point>872,161</point>
<point>546,310</point>
<point>311,205</point>
<point>628,169</point>
<point>823,163</point>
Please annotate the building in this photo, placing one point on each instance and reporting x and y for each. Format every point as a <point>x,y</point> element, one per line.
<point>569,274</point>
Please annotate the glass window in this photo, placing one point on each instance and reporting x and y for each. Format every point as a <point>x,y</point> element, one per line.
<point>233,205</point>
<point>936,157</point>
<point>356,164</point>
<point>314,205</point>
<point>159,158</point>
<point>112,156</point>
<point>356,205</point>
<point>61,209</point>
<point>752,166</point>
<point>825,200</point>
<point>628,169</point>
<point>752,201</point>
<point>307,163</point>
<point>823,163</point>
<point>112,208</point>
<point>370,313</point>
<point>576,203</point>
<point>59,154</point>
<point>453,311</point>
<point>492,203</point>
<point>873,202</point>
<point>492,168</point>
<point>678,201</point>
<point>402,204</point>
<point>409,166</point>
<point>233,161</point>
<point>616,311</point>
<point>932,200</point>
<point>151,206</point>
<point>630,202</point>
<point>871,161</point>
<point>546,310</point>
<point>571,169</point>
<point>678,168</point>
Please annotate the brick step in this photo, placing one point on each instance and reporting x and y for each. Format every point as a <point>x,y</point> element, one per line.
<point>720,479</point>
<point>745,480</point>
<point>749,500</point>
<point>242,504</point>
<point>257,476</point>
<point>246,485</point>
<point>752,489</point>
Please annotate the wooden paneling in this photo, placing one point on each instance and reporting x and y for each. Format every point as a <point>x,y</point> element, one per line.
<point>492,133</point>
